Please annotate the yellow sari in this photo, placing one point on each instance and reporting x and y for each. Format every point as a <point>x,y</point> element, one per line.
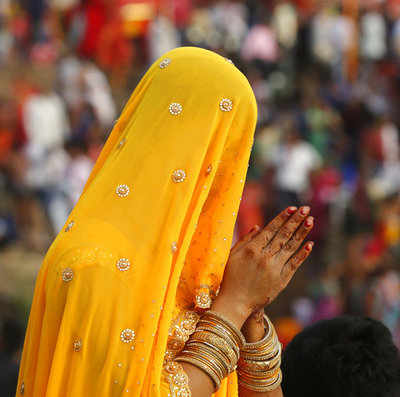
<point>143,251</point>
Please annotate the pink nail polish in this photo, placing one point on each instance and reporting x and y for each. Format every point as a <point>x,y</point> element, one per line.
<point>309,221</point>
<point>291,210</point>
<point>309,246</point>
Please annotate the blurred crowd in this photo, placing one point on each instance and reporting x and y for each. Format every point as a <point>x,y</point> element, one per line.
<point>325,74</point>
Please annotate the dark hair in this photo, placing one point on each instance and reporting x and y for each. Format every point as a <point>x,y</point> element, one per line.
<point>343,357</point>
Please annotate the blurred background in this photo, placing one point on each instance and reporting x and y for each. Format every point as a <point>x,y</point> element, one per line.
<point>326,77</point>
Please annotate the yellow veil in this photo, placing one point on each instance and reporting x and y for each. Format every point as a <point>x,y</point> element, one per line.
<point>144,249</point>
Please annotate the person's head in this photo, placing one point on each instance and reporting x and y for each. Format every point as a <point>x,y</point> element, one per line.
<point>343,357</point>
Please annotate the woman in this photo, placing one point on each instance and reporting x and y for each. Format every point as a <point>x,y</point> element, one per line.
<point>143,252</point>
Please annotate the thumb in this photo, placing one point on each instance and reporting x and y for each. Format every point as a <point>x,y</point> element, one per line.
<point>246,238</point>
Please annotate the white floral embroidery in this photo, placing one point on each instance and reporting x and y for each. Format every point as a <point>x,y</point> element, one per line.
<point>225,105</point>
<point>175,108</point>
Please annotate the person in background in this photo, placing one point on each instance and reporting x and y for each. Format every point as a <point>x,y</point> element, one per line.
<point>78,169</point>
<point>47,127</point>
<point>342,357</point>
<point>294,161</point>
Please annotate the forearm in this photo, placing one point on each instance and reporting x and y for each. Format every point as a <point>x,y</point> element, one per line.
<point>200,383</point>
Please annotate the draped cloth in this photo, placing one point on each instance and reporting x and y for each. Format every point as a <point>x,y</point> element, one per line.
<point>144,249</point>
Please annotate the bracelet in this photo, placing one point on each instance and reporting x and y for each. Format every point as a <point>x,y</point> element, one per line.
<point>226,323</point>
<point>251,346</point>
<point>277,350</point>
<point>204,366</point>
<point>265,375</point>
<point>259,366</point>
<point>259,363</point>
<point>260,387</point>
<point>215,341</point>
<point>207,360</point>
<point>219,331</point>
<point>214,347</point>
<point>211,351</point>
<point>265,345</point>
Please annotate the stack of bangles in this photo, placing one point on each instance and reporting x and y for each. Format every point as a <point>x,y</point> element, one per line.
<point>259,363</point>
<point>214,347</point>
<point>218,348</point>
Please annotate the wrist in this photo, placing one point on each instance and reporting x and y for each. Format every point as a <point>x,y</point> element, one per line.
<point>254,327</point>
<point>233,311</point>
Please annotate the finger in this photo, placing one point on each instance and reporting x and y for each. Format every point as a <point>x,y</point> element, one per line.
<point>298,237</point>
<point>287,230</point>
<point>272,228</point>
<point>246,238</point>
<point>290,267</point>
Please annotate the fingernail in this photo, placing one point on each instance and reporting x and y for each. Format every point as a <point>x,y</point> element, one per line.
<point>309,246</point>
<point>253,229</point>
<point>304,210</point>
<point>291,210</point>
<point>309,221</point>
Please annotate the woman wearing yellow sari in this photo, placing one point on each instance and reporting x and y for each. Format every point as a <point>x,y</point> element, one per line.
<point>143,252</point>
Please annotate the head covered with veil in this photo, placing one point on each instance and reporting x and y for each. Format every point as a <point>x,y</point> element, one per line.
<point>144,249</point>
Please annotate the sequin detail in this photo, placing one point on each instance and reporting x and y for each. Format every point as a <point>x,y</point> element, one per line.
<point>164,63</point>
<point>67,274</point>
<point>127,335</point>
<point>209,169</point>
<point>69,226</point>
<point>77,345</point>
<point>225,105</point>
<point>122,190</point>
<point>22,388</point>
<point>123,264</point>
<point>177,379</point>
<point>178,176</point>
<point>202,299</point>
<point>180,330</point>
<point>174,247</point>
<point>175,108</point>
<point>229,60</point>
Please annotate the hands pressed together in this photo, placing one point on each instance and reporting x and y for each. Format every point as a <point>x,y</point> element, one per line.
<point>261,264</point>
<point>258,269</point>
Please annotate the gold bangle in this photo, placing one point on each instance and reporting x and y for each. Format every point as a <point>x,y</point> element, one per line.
<point>228,324</point>
<point>265,340</point>
<point>266,345</point>
<point>230,366</point>
<point>203,366</point>
<point>220,332</point>
<point>265,350</point>
<point>218,342</point>
<point>260,387</point>
<point>207,361</point>
<point>261,356</point>
<point>210,359</point>
<point>203,322</point>
<point>259,375</point>
<point>211,355</point>
<point>259,366</point>
<point>260,382</point>
<point>206,349</point>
